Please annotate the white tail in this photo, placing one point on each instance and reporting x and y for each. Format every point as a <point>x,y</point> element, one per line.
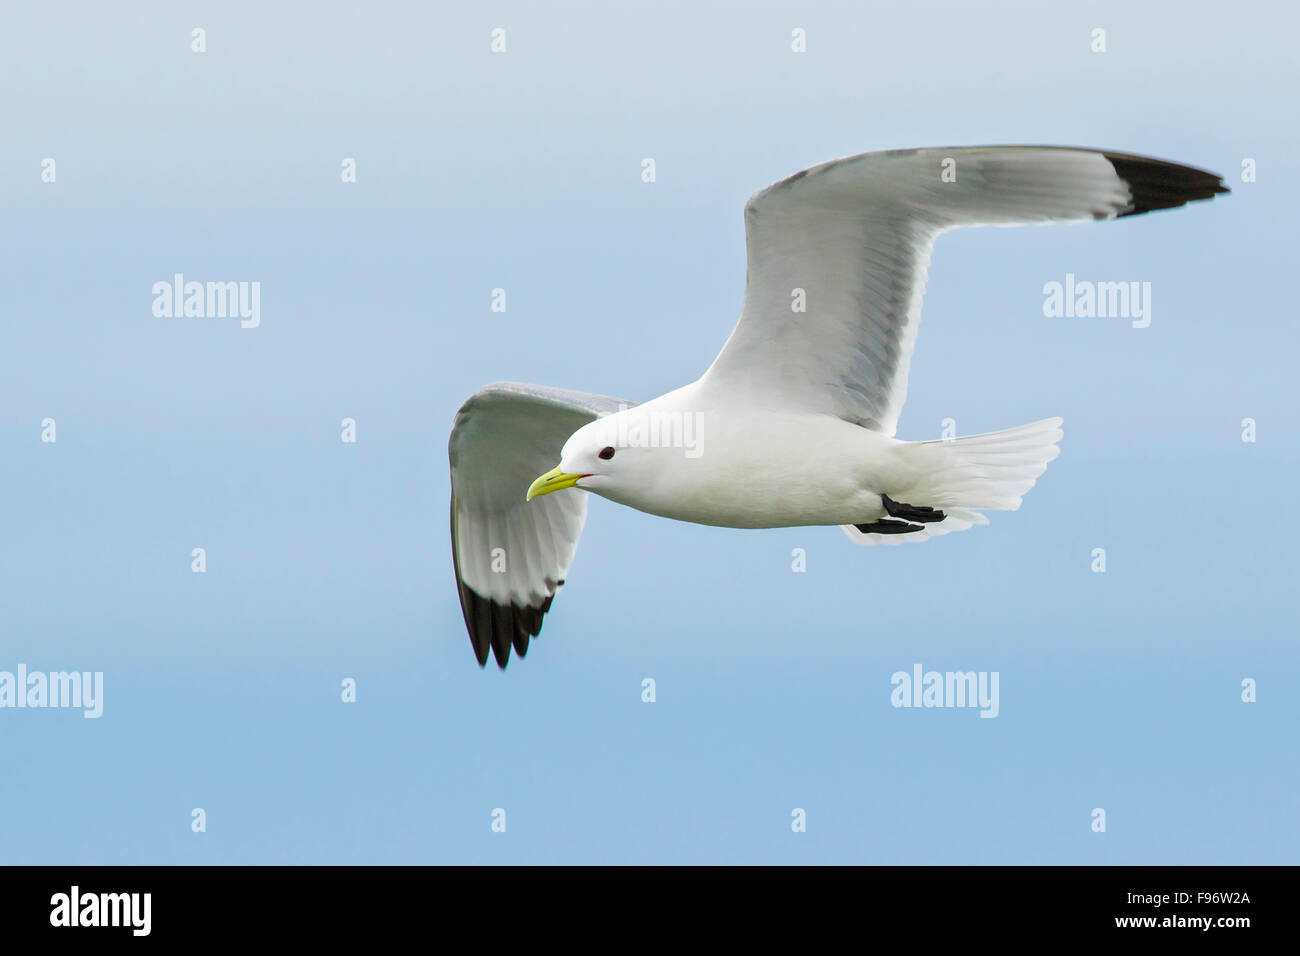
<point>990,471</point>
<point>964,476</point>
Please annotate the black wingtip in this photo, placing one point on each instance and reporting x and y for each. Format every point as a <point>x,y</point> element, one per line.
<point>1156,184</point>
<point>503,626</point>
<point>494,628</point>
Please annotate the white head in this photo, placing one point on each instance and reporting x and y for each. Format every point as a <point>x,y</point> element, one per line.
<point>597,457</point>
<point>633,456</point>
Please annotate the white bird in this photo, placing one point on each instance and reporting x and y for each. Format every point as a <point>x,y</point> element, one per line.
<point>793,423</point>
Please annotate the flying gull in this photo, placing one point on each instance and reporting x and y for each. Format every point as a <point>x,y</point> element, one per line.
<point>793,423</point>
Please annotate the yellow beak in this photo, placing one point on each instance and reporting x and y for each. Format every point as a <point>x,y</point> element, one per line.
<point>553,480</point>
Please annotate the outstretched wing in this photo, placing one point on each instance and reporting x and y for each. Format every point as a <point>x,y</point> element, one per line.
<point>850,242</point>
<point>510,555</point>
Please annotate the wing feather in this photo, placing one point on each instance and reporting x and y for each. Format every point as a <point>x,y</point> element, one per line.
<point>510,555</point>
<point>853,237</point>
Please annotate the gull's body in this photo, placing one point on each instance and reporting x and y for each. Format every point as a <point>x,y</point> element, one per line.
<point>794,422</point>
<point>735,482</point>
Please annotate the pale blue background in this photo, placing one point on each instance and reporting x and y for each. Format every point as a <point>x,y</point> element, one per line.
<point>328,560</point>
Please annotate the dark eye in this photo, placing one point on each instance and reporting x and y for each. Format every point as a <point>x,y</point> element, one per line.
<point>606,453</point>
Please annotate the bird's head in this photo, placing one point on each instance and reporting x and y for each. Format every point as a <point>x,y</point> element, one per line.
<point>631,456</point>
<point>593,459</point>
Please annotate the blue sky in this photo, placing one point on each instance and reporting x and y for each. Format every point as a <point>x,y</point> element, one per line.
<point>521,171</point>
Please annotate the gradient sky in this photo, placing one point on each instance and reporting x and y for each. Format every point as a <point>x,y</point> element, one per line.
<point>521,171</point>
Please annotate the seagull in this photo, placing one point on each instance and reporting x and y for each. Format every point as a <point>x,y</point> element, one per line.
<point>793,424</point>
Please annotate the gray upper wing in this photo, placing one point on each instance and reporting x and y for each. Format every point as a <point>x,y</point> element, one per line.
<point>838,255</point>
